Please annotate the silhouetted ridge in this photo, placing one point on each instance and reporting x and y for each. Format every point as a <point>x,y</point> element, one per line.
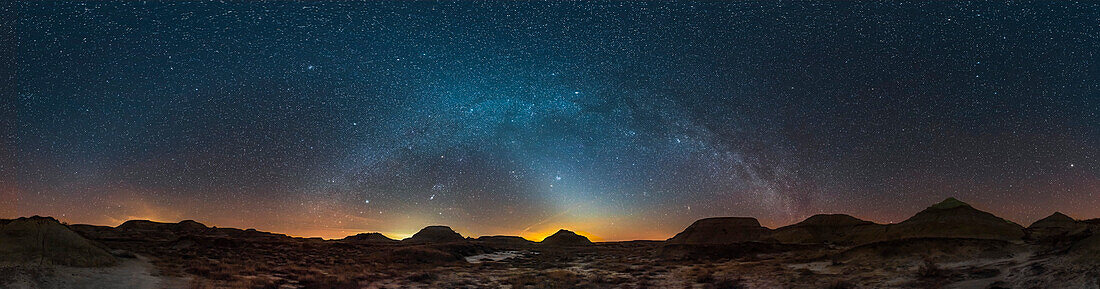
<point>515,240</point>
<point>146,225</point>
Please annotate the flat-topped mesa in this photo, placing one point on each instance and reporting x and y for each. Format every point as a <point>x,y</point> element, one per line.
<point>566,238</point>
<point>955,219</point>
<point>831,220</point>
<point>435,234</point>
<point>369,238</point>
<point>829,228</point>
<point>722,230</point>
<point>147,225</point>
<point>143,230</point>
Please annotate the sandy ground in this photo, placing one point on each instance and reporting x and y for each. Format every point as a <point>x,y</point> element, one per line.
<point>130,273</point>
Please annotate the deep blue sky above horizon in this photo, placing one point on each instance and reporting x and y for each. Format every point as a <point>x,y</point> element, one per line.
<point>621,120</point>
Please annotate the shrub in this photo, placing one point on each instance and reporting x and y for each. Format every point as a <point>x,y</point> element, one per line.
<point>727,284</point>
<point>929,270</point>
<point>319,281</point>
<point>840,284</point>
<point>704,276</point>
<point>423,277</point>
<point>550,279</point>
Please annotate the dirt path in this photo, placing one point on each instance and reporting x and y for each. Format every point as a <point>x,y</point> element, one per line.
<point>131,273</point>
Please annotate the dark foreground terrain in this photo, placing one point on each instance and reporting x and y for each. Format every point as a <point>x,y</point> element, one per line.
<point>948,245</point>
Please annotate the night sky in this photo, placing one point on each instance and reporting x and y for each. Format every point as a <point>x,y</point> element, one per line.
<point>617,120</point>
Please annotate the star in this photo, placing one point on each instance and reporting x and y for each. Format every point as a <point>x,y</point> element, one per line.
<point>709,128</point>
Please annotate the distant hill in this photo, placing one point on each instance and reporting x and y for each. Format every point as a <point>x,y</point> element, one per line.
<point>505,240</point>
<point>829,228</point>
<point>566,238</point>
<point>369,238</point>
<point>145,230</point>
<point>435,234</point>
<point>724,230</point>
<point>952,218</point>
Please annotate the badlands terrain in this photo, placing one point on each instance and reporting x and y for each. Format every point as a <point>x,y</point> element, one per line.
<point>948,245</point>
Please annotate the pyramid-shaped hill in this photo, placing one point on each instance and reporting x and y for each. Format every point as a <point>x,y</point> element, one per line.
<point>1056,225</point>
<point>566,238</point>
<point>1056,220</point>
<point>369,238</point>
<point>955,219</point>
<point>722,230</point>
<point>43,239</point>
<point>829,228</point>
<point>435,234</point>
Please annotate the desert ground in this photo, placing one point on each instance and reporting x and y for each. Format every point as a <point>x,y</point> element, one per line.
<point>948,245</point>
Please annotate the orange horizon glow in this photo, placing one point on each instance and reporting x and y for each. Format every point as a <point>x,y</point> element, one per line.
<point>123,204</point>
<point>340,233</point>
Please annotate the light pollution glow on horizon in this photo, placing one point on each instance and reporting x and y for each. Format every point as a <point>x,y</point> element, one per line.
<point>142,211</point>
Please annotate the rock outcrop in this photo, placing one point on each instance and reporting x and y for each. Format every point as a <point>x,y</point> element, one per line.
<point>724,230</point>
<point>566,238</point>
<point>45,240</point>
<point>1087,250</point>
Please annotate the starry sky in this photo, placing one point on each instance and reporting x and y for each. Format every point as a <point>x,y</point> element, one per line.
<point>619,120</point>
